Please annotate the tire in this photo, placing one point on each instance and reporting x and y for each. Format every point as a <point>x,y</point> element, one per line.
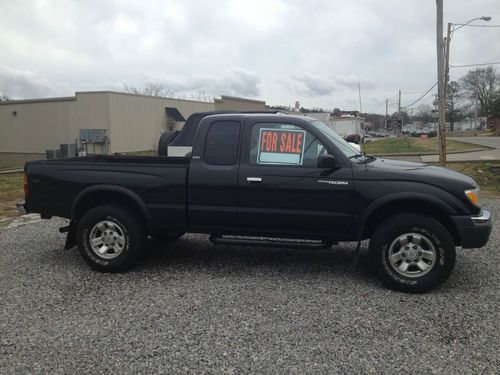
<point>118,238</point>
<point>164,141</point>
<point>412,253</point>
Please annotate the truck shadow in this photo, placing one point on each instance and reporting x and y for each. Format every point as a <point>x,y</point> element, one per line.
<point>195,252</point>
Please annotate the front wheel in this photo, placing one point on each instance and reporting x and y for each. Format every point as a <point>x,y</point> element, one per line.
<point>110,238</point>
<point>412,253</point>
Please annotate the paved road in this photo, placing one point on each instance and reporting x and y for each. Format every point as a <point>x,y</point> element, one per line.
<point>194,308</point>
<point>482,141</point>
<point>491,154</point>
<point>485,155</point>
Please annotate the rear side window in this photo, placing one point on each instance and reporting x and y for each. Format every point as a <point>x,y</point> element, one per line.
<point>221,147</point>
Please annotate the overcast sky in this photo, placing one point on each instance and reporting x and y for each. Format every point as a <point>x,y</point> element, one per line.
<point>315,52</point>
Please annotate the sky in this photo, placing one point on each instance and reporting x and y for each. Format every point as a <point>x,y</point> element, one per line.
<point>314,52</point>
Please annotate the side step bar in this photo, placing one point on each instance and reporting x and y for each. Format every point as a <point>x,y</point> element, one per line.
<point>270,242</point>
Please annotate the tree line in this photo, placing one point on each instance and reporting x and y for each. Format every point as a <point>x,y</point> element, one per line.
<point>476,93</point>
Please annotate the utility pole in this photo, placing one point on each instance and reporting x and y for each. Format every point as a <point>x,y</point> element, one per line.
<point>441,81</point>
<point>360,106</point>
<point>447,59</point>
<point>399,113</point>
<point>386,108</point>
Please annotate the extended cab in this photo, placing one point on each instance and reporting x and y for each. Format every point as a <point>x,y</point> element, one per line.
<point>263,179</point>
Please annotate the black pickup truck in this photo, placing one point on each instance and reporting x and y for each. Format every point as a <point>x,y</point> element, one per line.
<point>263,179</point>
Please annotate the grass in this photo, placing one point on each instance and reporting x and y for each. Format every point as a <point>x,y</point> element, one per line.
<point>414,145</point>
<point>11,192</point>
<point>486,174</point>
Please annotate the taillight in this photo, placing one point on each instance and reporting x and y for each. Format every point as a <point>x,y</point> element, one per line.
<point>25,187</point>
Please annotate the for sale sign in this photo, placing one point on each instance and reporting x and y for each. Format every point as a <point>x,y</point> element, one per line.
<point>281,146</point>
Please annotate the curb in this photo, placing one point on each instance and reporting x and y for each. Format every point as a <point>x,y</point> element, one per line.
<point>8,171</point>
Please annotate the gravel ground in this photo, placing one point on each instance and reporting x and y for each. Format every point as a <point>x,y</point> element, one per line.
<point>195,308</point>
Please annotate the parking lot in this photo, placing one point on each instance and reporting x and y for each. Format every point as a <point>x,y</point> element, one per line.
<point>192,307</point>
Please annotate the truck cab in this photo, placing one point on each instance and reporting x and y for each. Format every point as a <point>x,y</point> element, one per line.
<point>275,175</point>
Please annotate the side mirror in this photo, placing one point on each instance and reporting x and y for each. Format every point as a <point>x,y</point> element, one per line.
<point>326,161</point>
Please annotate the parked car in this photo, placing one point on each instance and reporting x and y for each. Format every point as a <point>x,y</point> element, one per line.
<point>268,180</point>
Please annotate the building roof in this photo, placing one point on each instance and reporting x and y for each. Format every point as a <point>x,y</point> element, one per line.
<point>74,97</point>
<point>235,98</point>
<point>322,116</point>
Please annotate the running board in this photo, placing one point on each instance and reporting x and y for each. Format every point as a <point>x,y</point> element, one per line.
<point>269,242</point>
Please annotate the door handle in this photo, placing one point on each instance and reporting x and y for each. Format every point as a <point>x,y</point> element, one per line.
<point>254,179</point>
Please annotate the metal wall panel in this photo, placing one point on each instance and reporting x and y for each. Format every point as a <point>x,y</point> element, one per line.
<point>36,126</point>
<point>133,122</point>
<point>138,121</point>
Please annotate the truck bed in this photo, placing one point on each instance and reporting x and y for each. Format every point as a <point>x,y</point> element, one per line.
<point>127,159</point>
<point>160,182</point>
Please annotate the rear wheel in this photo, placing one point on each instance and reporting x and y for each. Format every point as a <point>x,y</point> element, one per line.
<point>412,253</point>
<point>110,238</point>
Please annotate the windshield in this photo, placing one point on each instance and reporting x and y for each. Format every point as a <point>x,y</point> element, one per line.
<point>336,139</point>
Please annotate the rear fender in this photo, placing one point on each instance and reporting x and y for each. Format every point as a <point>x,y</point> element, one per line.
<point>92,192</point>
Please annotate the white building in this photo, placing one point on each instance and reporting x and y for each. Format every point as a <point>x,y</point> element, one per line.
<point>343,126</point>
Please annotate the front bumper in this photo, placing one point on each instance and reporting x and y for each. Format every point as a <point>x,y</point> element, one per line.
<point>474,231</point>
<point>21,208</point>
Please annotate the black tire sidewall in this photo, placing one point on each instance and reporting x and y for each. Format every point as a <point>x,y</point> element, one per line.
<point>416,223</point>
<point>132,230</point>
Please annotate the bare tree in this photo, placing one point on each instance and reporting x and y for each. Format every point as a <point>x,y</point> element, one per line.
<point>482,85</point>
<point>4,98</point>
<point>150,89</point>
<point>424,113</point>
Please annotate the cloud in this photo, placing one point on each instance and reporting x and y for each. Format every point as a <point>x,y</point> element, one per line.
<point>243,82</point>
<point>236,81</point>
<point>314,85</point>
<point>276,50</point>
<point>19,84</point>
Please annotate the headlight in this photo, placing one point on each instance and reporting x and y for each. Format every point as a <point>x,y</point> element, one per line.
<point>473,196</point>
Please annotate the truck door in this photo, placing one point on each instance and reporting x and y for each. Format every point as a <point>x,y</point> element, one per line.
<point>282,189</point>
<point>213,176</point>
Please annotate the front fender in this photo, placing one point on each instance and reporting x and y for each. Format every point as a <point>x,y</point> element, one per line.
<point>386,200</point>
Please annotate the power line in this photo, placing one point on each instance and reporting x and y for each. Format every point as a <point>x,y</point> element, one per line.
<point>377,107</point>
<point>419,99</point>
<point>469,65</point>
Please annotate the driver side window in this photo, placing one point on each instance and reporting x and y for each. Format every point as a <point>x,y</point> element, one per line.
<point>284,144</point>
